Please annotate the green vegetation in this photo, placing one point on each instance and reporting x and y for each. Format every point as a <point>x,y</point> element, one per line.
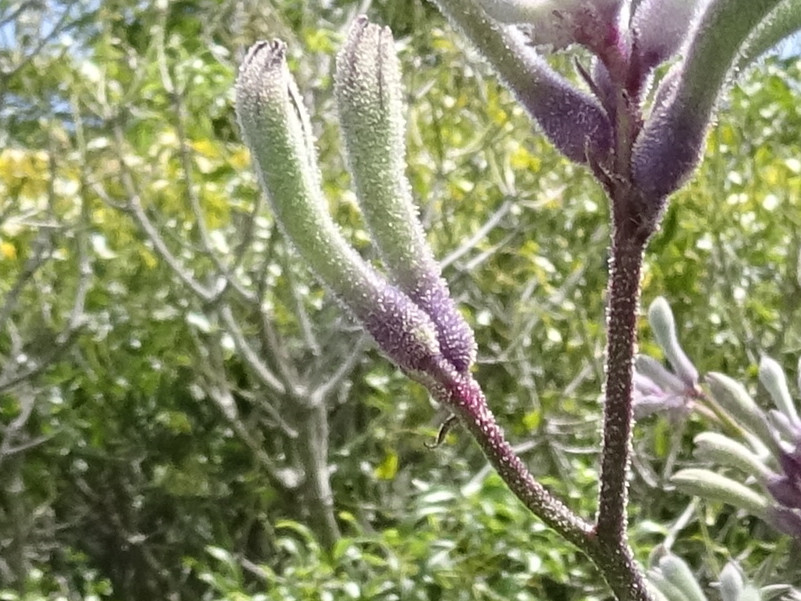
<point>163,436</point>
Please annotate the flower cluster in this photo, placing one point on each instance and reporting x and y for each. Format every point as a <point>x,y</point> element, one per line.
<point>709,40</point>
<point>410,314</point>
<point>765,449</point>
<point>672,579</point>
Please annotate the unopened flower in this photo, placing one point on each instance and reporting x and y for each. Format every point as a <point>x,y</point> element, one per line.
<point>558,24</point>
<point>773,379</point>
<point>787,491</point>
<point>574,121</point>
<point>664,327</point>
<point>670,145</point>
<point>369,97</point>
<point>656,389</point>
<point>660,27</point>
<point>275,127</point>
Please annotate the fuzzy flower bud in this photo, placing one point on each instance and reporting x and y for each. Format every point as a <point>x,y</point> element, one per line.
<point>369,97</point>
<point>724,451</point>
<point>670,144</point>
<point>786,491</point>
<point>773,379</point>
<point>679,574</point>
<point>785,520</point>
<point>275,127</point>
<point>713,486</point>
<point>661,26</point>
<point>731,395</point>
<point>664,327</point>
<point>557,24</point>
<point>656,389</point>
<point>731,582</point>
<point>574,121</point>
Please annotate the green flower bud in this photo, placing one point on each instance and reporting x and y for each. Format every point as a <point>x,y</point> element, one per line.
<point>724,451</point>
<point>275,127</point>
<point>782,22</point>
<point>731,582</point>
<point>661,319</point>
<point>773,379</point>
<point>369,96</point>
<point>714,487</point>
<point>679,575</point>
<point>663,587</point>
<point>733,397</point>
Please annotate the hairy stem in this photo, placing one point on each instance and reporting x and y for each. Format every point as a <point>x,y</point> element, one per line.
<point>462,394</point>
<point>621,344</point>
<point>610,554</point>
<point>616,559</point>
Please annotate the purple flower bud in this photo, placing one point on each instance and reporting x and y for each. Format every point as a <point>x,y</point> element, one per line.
<point>455,336</point>
<point>785,491</point>
<point>648,399</point>
<point>669,148</point>
<point>670,144</point>
<point>402,330</point>
<point>574,121</point>
<point>660,27</point>
<point>785,520</point>
<point>791,464</point>
<point>662,378</point>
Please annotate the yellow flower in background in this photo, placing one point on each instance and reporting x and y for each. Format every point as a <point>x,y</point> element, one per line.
<point>8,250</point>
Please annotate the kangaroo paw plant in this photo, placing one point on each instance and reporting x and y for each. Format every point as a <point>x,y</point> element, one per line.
<point>760,452</point>
<point>638,125</point>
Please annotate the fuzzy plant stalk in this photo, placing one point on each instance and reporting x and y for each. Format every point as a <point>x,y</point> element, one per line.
<point>641,137</point>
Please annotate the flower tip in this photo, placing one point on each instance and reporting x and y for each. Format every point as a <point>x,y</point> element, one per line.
<point>262,59</point>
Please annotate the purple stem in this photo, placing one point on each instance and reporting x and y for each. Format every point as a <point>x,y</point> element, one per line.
<point>619,569</point>
<point>618,417</point>
<point>463,395</point>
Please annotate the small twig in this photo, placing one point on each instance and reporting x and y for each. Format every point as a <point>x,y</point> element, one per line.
<point>344,369</point>
<point>481,233</point>
<point>134,207</point>
<point>207,247</point>
<point>26,404</point>
<point>461,394</point>
<point>262,372</point>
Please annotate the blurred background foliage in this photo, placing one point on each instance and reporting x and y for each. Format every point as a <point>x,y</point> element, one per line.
<point>179,400</point>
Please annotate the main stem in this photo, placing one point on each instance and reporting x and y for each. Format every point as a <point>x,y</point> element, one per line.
<point>616,560</point>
